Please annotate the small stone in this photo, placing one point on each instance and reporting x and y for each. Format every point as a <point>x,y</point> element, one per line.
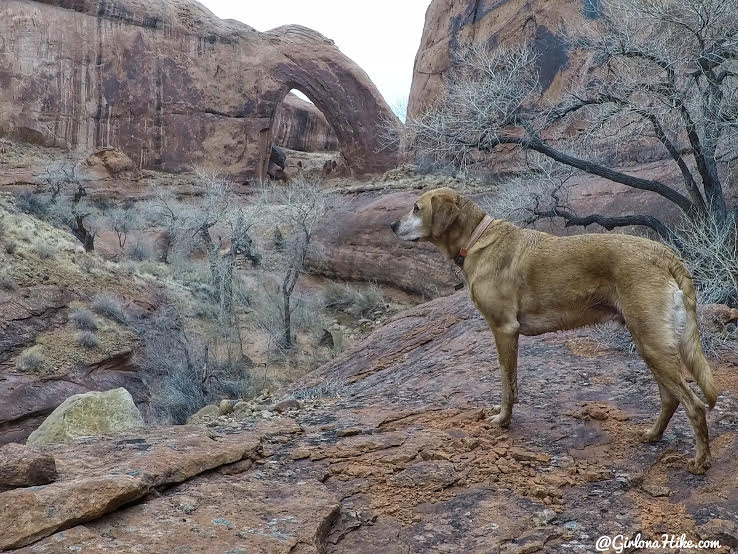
<point>24,466</point>
<point>656,490</point>
<point>205,415</point>
<point>544,517</point>
<point>286,405</point>
<point>349,431</point>
<point>242,408</point>
<point>226,406</point>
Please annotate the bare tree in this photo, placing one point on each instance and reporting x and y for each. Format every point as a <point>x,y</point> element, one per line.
<point>297,209</point>
<point>213,220</point>
<point>665,69</point>
<point>122,220</point>
<point>64,202</point>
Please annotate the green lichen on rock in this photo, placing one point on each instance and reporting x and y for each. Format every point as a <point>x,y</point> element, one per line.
<point>205,415</point>
<point>91,413</point>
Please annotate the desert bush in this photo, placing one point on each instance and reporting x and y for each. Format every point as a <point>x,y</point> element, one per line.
<point>30,359</point>
<point>613,336</point>
<point>84,320</point>
<point>709,248</point>
<point>33,204</point>
<point>10,246</point>
<point>109,306</point>
<point>6,281</point>
<point>87,339</point>
<point>346,298</point>
<point>141,251</point>
<point>179,369</point>
<point>45,250</point>
<point>86,263</point>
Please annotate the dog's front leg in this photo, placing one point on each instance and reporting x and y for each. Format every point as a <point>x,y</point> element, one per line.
<point>506,340</point>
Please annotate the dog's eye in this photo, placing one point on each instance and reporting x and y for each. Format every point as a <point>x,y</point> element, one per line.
<point>416,208</point>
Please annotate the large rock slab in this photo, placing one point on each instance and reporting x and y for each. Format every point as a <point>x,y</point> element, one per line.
<point>95,479</point>
<point>173,86</point>
<point>91,413</point>
<point>360,246</point>
<point>397,455</point>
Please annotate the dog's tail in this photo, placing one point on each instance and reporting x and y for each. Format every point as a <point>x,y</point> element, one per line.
<point>690,345</point>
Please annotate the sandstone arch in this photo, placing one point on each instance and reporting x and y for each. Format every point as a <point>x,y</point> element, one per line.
<point>340,89</point>
<point>172,85</point>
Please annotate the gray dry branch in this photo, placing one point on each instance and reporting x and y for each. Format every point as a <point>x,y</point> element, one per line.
<point>297,209</point>
<point>215,222</point>
<point>664,69</point>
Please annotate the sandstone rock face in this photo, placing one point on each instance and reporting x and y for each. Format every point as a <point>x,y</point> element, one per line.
<point>451,23</point>
<point>29,398</point>
<point>360,245</point>
<point>91,413</point>
<point>23,466</point>
<point>299,125</point>
<point>173,86</point>
<point>538,23</point>
<point>401,458</point>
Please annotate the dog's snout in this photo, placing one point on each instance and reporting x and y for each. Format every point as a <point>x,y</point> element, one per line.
<point>394,226</point>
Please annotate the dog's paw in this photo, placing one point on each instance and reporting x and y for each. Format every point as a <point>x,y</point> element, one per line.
<point>501,420</point>
<point>494,410</point>
<point>699,466</point>
<point>651,436</point>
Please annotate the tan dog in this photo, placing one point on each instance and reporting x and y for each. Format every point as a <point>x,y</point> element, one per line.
<point>529,282</point>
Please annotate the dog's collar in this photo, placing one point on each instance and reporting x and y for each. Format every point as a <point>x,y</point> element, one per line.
<point>461,256</point>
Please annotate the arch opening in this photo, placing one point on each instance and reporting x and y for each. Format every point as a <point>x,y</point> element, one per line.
<point>302,139</point>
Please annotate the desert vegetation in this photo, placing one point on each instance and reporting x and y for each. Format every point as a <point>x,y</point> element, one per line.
<point>232,313</point>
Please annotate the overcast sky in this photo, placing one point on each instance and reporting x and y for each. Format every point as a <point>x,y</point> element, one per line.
<point>382,36</point>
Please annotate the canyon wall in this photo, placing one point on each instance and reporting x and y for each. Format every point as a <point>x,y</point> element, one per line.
<point>172,85</point>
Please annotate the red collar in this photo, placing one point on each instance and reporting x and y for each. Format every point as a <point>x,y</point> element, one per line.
<point>481,228</point>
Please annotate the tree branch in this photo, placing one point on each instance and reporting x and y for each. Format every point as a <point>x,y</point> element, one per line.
<point>535,143</point>
<point>607,222</point>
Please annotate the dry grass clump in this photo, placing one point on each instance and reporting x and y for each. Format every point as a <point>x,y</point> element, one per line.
<point>84,320</point>
<point>358,302</point>
<point>332,388</point>
<point>45,251</point>
<point>30,359</point>
<point>109,306</point>
<point>87,339</point>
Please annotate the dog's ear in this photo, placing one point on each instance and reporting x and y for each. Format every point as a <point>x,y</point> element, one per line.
<point>444,213</point>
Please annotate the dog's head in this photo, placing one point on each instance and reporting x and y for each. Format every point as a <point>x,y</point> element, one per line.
<point>430,216</point>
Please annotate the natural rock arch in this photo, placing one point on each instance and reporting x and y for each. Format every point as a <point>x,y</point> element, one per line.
<point>173,86</point>
<point>340,89</point>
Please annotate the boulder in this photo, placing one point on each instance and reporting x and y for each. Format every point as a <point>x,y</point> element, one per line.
<point>24,466</point>
<point>110,163</point>
<point>360,246</point>
<point>205,415</point>
<point>286,405</point>
<point>299,125</point>
<point>91,413</point>
<point>173,86</point>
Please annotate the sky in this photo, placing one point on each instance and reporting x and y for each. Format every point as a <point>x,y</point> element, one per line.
<point>382,36</point>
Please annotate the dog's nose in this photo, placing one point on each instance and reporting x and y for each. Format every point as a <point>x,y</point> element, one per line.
<point>394,225</point>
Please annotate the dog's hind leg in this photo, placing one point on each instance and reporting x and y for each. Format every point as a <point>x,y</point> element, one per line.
<point>506,341</point>
<point>669,404</point>
<point>658,342</point>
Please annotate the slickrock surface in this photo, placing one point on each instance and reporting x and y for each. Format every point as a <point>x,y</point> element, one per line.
<point>404,461</point>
